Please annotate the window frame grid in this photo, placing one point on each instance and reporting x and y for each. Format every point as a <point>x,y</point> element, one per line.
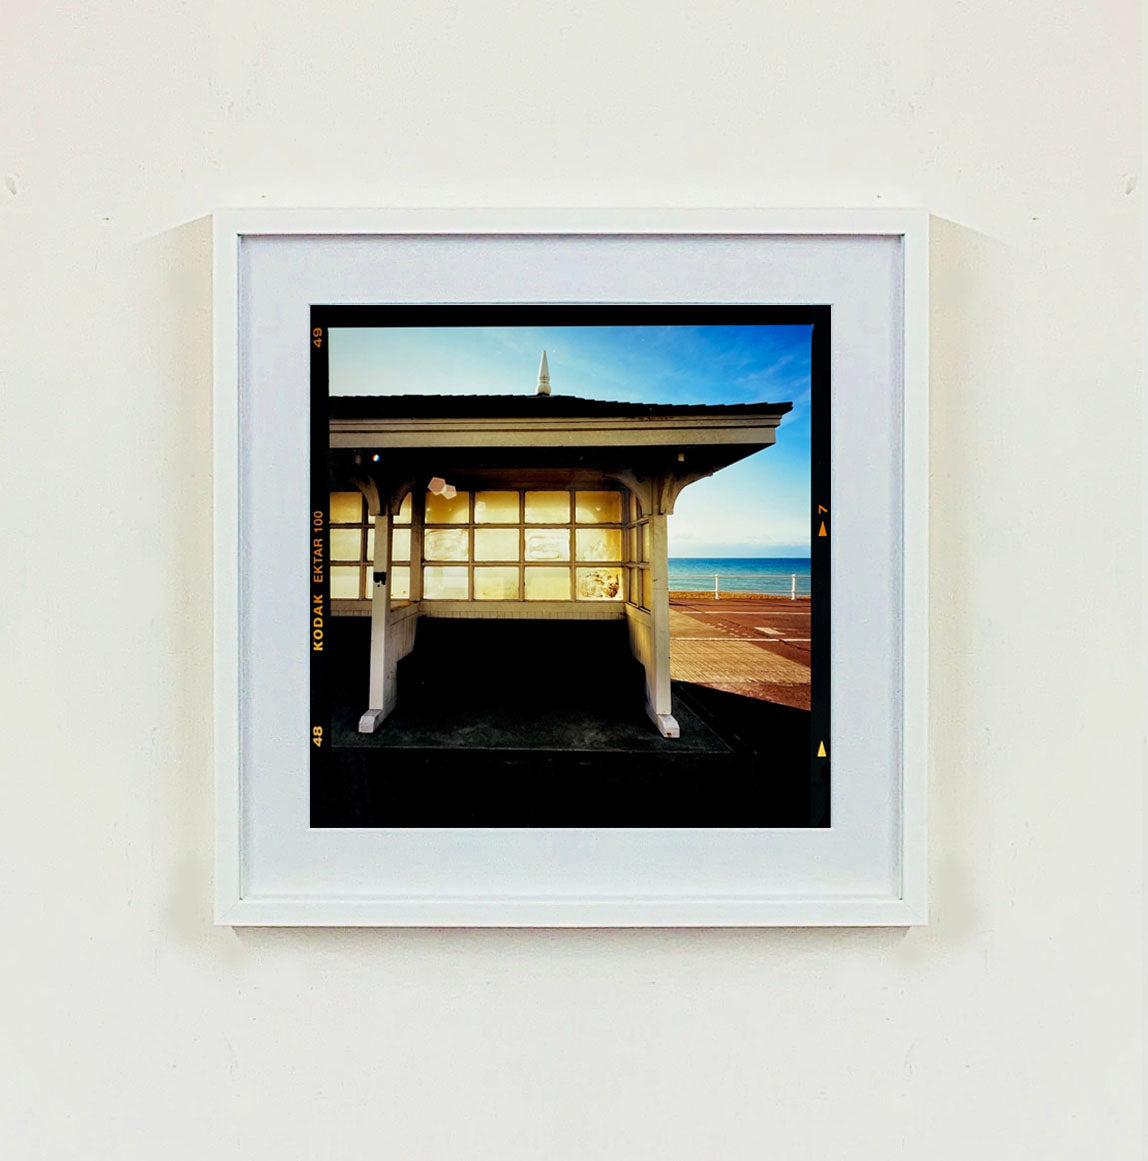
<point>625,566</point>
<point>572,524</point>
<point>363,563</point>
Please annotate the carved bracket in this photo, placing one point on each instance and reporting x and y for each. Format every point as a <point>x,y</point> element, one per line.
<point>657,495</point>
<point>380,491</point>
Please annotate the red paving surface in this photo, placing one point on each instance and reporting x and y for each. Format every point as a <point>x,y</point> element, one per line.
<point>777,626</point>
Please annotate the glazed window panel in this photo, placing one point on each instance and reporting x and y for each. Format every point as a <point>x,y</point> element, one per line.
<point>547,507</point>
<point>346,543</point>
<point>646,541</point>
<point>548,544</point>
<point>636,586</point>
<point>647,589</point>
<point>598,507</point>
<point>496,544</point>
<point>403,516</point>
<point>446,544</point>
<point>345,582</point>
<point>496,584</point>
<point>547,584</point>
<point>352,550</point>
<point>445,583</point>
<point>346,507</point>
<point>496,508</point>
<point>441,510</point>
<point>599,584</point>
<point>346,546</point>
<point>598,544</point>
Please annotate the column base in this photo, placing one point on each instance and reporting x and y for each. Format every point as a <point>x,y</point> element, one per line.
<point>371,720</point>
<point>667,724</point>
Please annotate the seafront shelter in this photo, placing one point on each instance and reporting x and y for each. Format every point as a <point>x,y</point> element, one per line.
<point>538,507</point>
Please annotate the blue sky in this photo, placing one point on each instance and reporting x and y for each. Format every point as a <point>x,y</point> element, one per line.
<point>758,507</point>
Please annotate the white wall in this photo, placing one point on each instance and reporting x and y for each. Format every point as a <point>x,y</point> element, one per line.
<point>131,1028</point>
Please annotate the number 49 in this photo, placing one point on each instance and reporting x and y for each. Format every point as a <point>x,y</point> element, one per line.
<point>317,336</point>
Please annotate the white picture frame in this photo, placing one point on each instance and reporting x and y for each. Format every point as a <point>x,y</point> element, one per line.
<point>270,869</point>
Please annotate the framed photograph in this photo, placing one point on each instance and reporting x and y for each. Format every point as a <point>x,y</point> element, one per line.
<point>571,567</point>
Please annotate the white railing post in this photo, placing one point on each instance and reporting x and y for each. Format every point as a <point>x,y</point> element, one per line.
<point>793,588</point>
<point>717,595</point>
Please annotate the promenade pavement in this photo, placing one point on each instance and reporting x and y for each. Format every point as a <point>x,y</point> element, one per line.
<point>754,647</point>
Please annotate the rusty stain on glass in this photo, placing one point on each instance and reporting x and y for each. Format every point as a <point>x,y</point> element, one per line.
<point>599,584</point>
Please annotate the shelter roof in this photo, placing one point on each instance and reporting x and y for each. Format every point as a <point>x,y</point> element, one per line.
<point>536,406</point>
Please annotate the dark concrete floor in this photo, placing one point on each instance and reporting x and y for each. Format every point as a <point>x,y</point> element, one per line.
<point>543,724</point>
<point>423,720</point>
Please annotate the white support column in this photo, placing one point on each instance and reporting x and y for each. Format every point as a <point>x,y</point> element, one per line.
<point>383,692</point>
<point>658,704</point>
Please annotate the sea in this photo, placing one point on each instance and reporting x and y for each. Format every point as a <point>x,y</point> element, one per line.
<point>770,574</point>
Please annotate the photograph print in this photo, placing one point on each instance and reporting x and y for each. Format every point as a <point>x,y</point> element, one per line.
<point>569,566</point>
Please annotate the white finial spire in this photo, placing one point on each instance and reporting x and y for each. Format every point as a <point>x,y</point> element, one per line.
<point>543,376</point>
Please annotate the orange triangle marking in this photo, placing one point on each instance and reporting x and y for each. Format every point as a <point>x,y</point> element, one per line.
<point>821,750</point>
<point>822,531</point>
